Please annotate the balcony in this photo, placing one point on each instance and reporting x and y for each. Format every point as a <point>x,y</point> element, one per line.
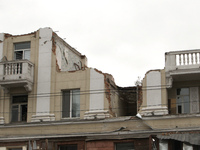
<point>17,73</point>
<point>182,65</point>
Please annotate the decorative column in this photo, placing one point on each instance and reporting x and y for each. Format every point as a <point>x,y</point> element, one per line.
<point>97,86</point>
<point>1,68</point>
<point>153,88</point>
<point>44,77</point>
<point>194,100</point>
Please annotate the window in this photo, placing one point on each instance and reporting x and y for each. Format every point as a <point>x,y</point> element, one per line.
<point>19,108</point>
<point>71,103</point>
<point>124,146</point>
<point>22,50</point>
<point>68,147</point>
<point>186,100</point>
<point>15,148</point>
<point>183,100</point>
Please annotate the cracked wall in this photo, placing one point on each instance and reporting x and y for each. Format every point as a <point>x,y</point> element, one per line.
<point>67,59</point>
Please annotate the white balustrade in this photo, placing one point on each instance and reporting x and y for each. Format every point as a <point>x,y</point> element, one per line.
<point>184,58</point>
<point>12,68</point>
<point>17,73</point>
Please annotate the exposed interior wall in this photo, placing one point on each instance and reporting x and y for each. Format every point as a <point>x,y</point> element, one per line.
<point>67,60</point>
<point>111,97</point>
<point>128,99</point>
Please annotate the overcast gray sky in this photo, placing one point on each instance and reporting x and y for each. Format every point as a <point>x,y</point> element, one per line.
<point>125,38</point>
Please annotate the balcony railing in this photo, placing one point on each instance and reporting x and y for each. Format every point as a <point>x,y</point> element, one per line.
<point>176,60</point>
<point>16,73</point>
<point>186,58</point>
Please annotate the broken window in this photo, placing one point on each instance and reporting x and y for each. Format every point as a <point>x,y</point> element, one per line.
<point>68,147</point>
<point>22,50</point>
<point>71,103</point>
<point>124,146</point>
<point>19,108</point>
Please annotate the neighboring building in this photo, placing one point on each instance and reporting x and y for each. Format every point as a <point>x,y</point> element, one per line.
<point>50,99</point>
<point>171,101</point>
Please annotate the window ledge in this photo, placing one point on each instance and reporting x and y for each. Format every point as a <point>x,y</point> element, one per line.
<point>66,119</point>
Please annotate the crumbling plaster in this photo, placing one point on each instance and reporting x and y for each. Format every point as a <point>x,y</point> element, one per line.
<point>67,60</point>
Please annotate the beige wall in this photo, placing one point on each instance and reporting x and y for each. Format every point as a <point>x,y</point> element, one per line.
<point>72,127</point>
<point>174,122</point>
<point>9,53</point>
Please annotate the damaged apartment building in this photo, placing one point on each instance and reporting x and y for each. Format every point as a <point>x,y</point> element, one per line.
<point>171,102</point>
<point>51,99</point>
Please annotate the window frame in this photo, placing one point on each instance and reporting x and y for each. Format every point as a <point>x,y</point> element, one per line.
<point>59,147</point>
<point>19,109</point>
<point>124,143</point>
<point>23,50</point>
<point>63,116</point>
<point>183,111</point>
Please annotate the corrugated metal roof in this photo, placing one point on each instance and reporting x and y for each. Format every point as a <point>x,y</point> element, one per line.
<point>190,138</point>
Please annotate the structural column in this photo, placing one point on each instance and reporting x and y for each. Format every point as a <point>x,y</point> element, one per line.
<point>2,101</point>
<point>44,77</point>
<point>153,90</point>
<point>97,86</point>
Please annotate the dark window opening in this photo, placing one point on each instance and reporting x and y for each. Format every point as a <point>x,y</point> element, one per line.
<point>124,146</point>
<point>22,50</point>
<point>68,147</point>
<point>19,108</point>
